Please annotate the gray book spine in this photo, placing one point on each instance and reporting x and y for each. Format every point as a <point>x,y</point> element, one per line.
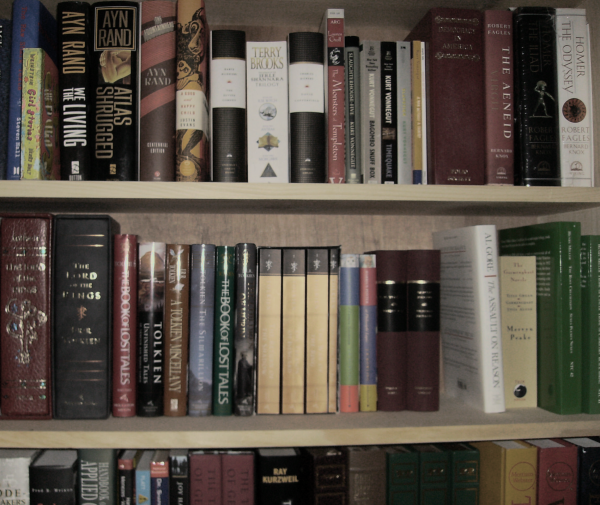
<point>404,113</point>
<point>353,134</point>
<point>370,110</point>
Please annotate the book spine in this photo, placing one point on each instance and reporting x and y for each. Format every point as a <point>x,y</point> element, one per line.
<point>499,97</point>
<point>75,90</point>
<point>588,488</point>
<point>202,315</point>
<point>179,478</point>
<point>366,475</point>
<point>370,112</point>
<point>124,325</point>
<point>143,490</point>
<point>557,474</point>
<point>434,477</point>
<point>245,329</point>
<point>150,338</point>
<point>349,332</point>
<point>157,90</point>
<point>293,331</point>
<point>82,317</point>
<point>464,475</point>
<point>223,351</point>
<point>404,101</point>
<point>97,470</point>
<point>402,474</point>
<point>334,86</point>
<point>5,50</point>
<point>389,114</point>
<point>334,301</point>
<point>125,482</point>
<point>520,474</point>
<point>574,98</point>
<point>14,483</point>
<point>535,96</point>
<point>368,333</point>
<point>317,337</point>
<point>268,372</point>
<point>325,470</point>
<point>268,118</point>
<point>419,161</point>
<point>205,478</point>
<point>192,113</point>
<point>115,58</point>
<point>228,105</point>
<point>177,329</point>
<point>271,486</point>
<point>238,478</point>
<point>53,485</point>
<point>159,479</point>
<point>307,108</point>
<point>353,131</point>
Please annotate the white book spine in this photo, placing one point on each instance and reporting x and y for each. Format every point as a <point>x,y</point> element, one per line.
<point>404,113</point>
<point>14,479</point>
<point>370,89</point>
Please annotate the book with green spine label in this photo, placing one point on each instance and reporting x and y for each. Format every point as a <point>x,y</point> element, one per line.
<point>556,247</point>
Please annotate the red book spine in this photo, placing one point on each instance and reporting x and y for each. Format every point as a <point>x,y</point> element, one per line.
<point>238,478</point>
<point>124,325</point>
<point>499,95</point>
<point>557,474</point>
<point>205,478</point>
<point>423,330</point>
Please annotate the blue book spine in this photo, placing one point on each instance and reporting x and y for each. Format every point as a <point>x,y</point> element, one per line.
<point>143,486</point>
<point>5,47</point>
<point>160,490</point>
<point>33,26</point>
<point>202,302</point>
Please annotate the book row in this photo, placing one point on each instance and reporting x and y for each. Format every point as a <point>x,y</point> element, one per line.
<point>487,473</point>
<point>120,91</point>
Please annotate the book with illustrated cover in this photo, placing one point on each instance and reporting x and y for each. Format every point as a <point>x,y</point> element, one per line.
<point>353,108</point>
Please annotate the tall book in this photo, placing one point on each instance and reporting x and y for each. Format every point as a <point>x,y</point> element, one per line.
<point>52,478</point>
<point>39,122</point>
<point>202,316</point>
<point>470,316</point>
<point>307,107</point>
<point>326,470</point>
<point>268,380</point>
<point>157,89</point>
<point>36,28</point>
<point>389,113</point>
<point>588,459</point>
<point>268,118</point>
<point>26,327</point>
<point>238,477</point>
<point>74,20</point>
<point>5,52</point>
<point>464,466</point>
<point>150,336</point>
<point>556,247</point>
<point>404,100</point>
<point>402,475</point>
<point>574,98</point>
<point>499,83</point>
<point>366,475</point>
<point>370,111</point>
<point>334,317</point>
<point>223,352</point>
<point>159,477</point>
<point>97,476</point>
<point>179,477</point>
<point>143,490</point>
<point>332,27</point>
<point>419,113</point>
<point>455,129</point>
<point>293,331</point>
<point>423,280</point>
<point>368,333</point>
<point>124,325</point>
<point>127,461</point>
<point>177,317</point>
<point>245,329</point>
<point>353,100</point>
<point>115,61</point>
<point>191,117</point>
<point>206,477</point>
<point>14,474</point>
<point>279,476</point>
<point>349,332</point>
<point>228,105</point>
<point>536,93</point>
<point>82,306</point>
<point>518,310</point>
<point>434,475</point>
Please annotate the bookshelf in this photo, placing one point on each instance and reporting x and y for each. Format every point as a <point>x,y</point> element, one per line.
<point>359,218</point>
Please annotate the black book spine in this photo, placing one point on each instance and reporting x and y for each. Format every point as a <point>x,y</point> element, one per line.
<point>179,478</point>
<point>75,90</point>
<point>126,486</point>
<point>115,59</point>
<point>52,485</point>
<point>537,160</point>
<point>308,154</point>
<point>352,113</point>
<point>82,316</point>
<point>389,114</point>
<point>5,49</point>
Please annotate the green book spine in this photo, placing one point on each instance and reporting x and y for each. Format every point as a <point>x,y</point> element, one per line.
<point>434,475</point>
<point>224,332</point>
<point>402,467</point>
<point>97,471</point>
<point>464,473</point>
<point>556,247</point>
<point>590,325</point>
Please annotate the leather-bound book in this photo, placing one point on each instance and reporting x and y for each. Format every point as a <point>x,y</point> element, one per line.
<point>205,477</point>
<point>423,330</point>
<point>326,470</point>
<point>434,474</point>
<point>26,325</point>
<point>455,125</point>
<point>238,477</point>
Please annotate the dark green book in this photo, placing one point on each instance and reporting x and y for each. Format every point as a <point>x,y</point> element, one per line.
<point>590,325</point>
<point>556,247</point>
<point>402,470</point>
<point>434,475</point>
<point>464,473</point>
<point>97,476</point>
<point>224,332</point>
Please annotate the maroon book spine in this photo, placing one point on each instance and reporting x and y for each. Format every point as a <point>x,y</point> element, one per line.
<point>238,478</point>
<point>124,325</point>
<point>499,95</point>
<point>26,328</point>
<point>557,474</point>
<point>423,330</point>
<point>205,478</point>
<point>455,118</point>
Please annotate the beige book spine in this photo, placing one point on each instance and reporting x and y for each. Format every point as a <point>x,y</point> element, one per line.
<point>521,475</point>
<point>333,330</point>
<point>492,473</point>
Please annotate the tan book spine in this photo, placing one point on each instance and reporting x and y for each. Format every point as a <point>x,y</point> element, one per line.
<point>492,473</point>
<point>519,330</point>
<point>521,471</point>
<point>293,334</point>
<point>334,275</point>
<point>417,107</point>
<point>177,312</point>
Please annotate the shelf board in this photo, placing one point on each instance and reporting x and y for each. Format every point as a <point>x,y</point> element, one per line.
<point>190,197</point>
<point>454,422</point>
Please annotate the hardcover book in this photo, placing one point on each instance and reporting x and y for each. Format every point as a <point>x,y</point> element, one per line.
<point>5,52</point>
<point>353,108</point>
<point>404,100</point>
<point>419,116</point>
<point>157,84</point>
<point>434,474</point>
<point>455,126</point>
<point>127,462</point>
<point>368,333</point>
<point>470,316</point>
<point>588,459</point>
<point>14,474</point>
<point>96,476</point>
<point>402,474</point>
<point>159,477</point>
<point>370,111</point>
<point>389,114</point>
<point>238,477</point>
<point>464,466</point>
<point>228,105</point>
<point>334,316</point>
<point>326,470</point>
<point>179,477</point>
<point>279,476</point>
<point>143,490</point>
<point>26,322</point>
<point>206,477</point>
<point>52,478</point>
<point>82,316</point>
<point>191,117</point>
<point>366,475</point>
<point>115,61</point>
<point>75,90</point>
<point>556,247</point>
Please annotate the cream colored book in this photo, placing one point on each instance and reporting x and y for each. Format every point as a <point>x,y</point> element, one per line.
<point>334,277</point>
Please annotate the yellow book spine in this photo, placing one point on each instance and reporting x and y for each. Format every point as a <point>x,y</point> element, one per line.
<point>31,113</point>
<point>521,472</point>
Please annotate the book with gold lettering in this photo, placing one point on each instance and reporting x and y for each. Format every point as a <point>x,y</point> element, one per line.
<point>280,477</point>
